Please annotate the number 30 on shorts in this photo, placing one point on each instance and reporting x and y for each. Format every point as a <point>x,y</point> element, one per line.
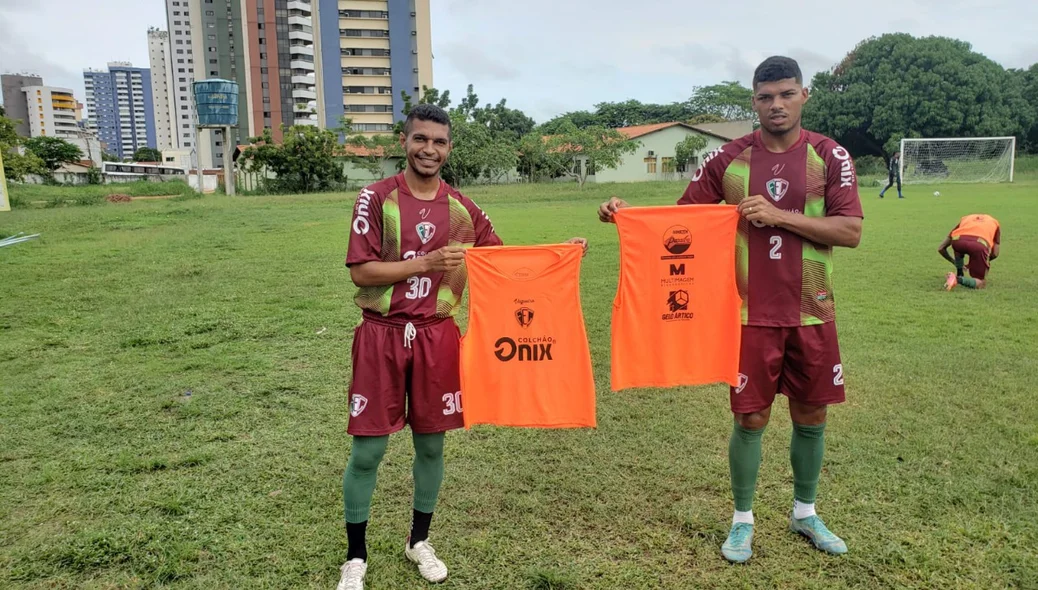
<point>453,402</point>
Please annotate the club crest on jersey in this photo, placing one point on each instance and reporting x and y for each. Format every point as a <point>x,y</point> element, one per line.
<point>777,188</point>
<point>524,315</point>
<point>743,382</point>
<point>357,405</point>
<point>426,231</point>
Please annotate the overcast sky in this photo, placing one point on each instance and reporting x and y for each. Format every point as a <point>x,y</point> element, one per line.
<point>551,56</point>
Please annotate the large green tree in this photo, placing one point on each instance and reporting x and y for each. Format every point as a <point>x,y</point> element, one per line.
<point>898,86</point>
<point>689,148</point>
<point>17,166</point>
<point>147,154</point>
<point>54,151</point>
<point>579,119</point>
<point>603,147</point>
<point>632,112</point>
<point>304,161</point>
<point>730,101</point>
<point>477,154</point>
<point>1028,82</point>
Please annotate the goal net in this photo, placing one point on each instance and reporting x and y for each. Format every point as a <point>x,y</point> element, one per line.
<point>965,159</point>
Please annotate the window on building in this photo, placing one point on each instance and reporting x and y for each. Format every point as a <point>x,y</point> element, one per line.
<point>668,165</point>
<point>650,165</point>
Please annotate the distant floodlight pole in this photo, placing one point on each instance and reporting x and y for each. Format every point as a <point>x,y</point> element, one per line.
<point>216,106</point>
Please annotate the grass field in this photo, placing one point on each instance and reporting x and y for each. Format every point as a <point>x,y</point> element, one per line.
<point>173,412</point>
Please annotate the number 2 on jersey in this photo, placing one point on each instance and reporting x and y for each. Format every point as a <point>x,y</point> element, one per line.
<point>776,245</point>
<point>420,287</point>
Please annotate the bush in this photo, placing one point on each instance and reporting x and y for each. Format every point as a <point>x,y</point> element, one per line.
<point>30,195</point>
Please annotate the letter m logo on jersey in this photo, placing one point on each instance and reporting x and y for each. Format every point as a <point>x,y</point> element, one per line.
<point>777,188</point>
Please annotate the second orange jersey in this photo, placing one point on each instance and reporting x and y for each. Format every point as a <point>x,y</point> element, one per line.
<point>676,315</point>
<point>980,226</point>
<point>525,359</point>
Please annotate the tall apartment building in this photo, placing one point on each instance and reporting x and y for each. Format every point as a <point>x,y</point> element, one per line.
<point>15,104</point>
<point>219,51</point>
<point>120,107</point>
<point>369,52</point>
<point>182,70</point>
<point>162,87</point>
<point>279,61</point>
<point>52,112</point>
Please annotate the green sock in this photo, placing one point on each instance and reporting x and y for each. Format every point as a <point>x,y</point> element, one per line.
<point>744,463</point>
<point>428,470</point>
<point>968,282</point>
<point>960,263</point>
<point>805,454</point>
<point>358,483</point>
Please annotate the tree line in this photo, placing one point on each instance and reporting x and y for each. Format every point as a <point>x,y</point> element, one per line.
<point>885,89</point>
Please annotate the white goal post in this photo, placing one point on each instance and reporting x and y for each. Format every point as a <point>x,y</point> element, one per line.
<point>940,160</point>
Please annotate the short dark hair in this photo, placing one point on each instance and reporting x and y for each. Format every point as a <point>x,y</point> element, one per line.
<point>427,112</point>
<point>777,68</point>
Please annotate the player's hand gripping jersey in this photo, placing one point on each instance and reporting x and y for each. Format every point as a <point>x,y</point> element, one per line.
<point>525,358</point>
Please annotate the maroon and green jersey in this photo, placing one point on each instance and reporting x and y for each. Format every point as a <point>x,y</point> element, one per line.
<point>390,225</point>
<point>784,279</point>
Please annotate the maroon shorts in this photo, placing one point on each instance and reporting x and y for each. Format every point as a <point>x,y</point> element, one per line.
<point>403,376</point>
<point>802,362</point>
<point>978,252</point>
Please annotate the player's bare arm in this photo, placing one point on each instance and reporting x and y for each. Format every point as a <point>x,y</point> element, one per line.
<point>606,210</point>
<point>994,251</point>
<point>379,274</point>
<point>828,231</point>
<point>943,250</point>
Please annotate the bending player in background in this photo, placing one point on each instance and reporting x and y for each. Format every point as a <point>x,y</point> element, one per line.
<point>406,254</point>
<point>784,264</point>
<point>893,172</point>
<point>979,237</point>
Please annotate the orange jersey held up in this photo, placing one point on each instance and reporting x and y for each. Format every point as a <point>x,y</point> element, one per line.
<point>676,315</point>
<point>525,359</point>
<point>980,226</point>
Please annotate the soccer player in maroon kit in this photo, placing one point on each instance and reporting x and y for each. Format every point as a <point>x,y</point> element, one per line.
<point>406,254</point>
<point>798,196</point>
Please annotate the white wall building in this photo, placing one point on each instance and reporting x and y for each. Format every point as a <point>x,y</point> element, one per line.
<point>182,114</point>
<point>52,112</point>
<point>162,87</point>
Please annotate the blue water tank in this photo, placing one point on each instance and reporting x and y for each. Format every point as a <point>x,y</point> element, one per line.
<point>216,102</point>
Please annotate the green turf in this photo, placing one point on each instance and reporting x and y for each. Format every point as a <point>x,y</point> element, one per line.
<point>113,476</point>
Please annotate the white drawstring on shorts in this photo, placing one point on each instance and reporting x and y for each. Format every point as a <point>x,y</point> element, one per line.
<point>409,334</point>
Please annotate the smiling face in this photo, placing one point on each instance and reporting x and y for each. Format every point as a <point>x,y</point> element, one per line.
<point>779,105</point>
<point>427,145</point>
